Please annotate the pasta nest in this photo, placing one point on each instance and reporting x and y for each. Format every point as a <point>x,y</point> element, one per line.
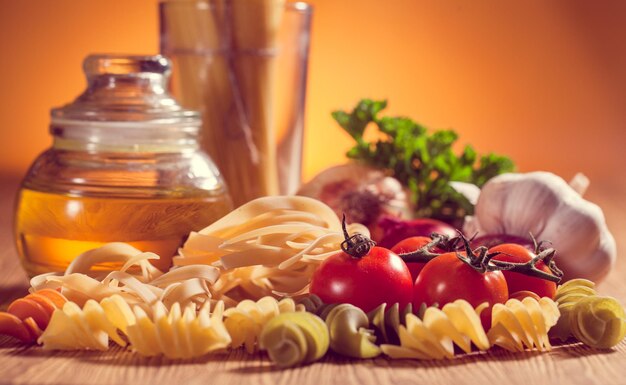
<point>137,281</point>
<point>177,333</point>
<point>269,246</point>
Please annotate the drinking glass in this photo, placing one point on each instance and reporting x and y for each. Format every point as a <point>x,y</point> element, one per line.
<point>243,64</point>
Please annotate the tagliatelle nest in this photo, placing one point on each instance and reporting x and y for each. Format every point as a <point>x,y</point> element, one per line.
<point>137,281</point>
<point>269,246</point>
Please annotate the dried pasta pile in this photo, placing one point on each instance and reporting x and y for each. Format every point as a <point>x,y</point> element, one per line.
<point>222,294</point>
<point>177,333</point>
<point>137,281</point>
<point>269,246</point>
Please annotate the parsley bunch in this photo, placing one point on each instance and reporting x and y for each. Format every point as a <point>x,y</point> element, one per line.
<point>422,161</point>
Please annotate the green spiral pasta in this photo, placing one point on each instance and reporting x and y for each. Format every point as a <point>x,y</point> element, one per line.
<point>349,331</point>
<point>598,322</point>
<point>354,333</point>
<point>294,338</point>
<point>386,320</point>
<point>594,320</point>
<point>567,295</point>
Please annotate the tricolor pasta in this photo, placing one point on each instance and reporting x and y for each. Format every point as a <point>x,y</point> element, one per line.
<point>434,336</point>
<point>246,321</point>
<point>349,330</point>
<point>386,321</point>
<point>595,320</point>
<point>295,338</point>
<point>519,325</point>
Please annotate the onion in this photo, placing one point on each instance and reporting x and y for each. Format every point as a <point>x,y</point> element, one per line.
<point>491,240</point>
<point>364,194</point>
<point>395,230</point>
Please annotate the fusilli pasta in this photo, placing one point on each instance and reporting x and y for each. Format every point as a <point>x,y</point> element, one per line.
<point>519,325</point>
<point>295,338</point>
<point>434,337</point>
<point>177,333</point>
<point>246,321</point>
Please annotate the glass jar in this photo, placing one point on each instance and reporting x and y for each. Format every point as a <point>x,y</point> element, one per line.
<point>125,166</point>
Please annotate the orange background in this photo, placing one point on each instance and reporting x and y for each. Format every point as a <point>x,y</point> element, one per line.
<point>541,81</point>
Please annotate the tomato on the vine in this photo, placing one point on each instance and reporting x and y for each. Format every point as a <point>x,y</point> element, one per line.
<point>447,278</point>
<point>511,252</point>
<point>412,244</point>
<point>364,276</point>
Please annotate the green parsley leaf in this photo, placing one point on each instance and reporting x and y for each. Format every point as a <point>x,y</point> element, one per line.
<point>424,162</point>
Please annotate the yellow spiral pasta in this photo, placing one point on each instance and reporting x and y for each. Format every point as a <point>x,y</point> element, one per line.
<point>268,246</point>
<point>246,321</point>
<point>596,321</point>
<point>519,325</point>
<point>177,333</point>
<point>434,336</point>
<point>295,338</point>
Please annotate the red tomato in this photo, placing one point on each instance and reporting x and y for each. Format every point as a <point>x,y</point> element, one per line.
<point>511,252</point>
<point>409,245</point>
<point>378,277</point>
<point>446,279</point>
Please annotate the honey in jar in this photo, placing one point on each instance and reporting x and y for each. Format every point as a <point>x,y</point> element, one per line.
<point>124,166</point>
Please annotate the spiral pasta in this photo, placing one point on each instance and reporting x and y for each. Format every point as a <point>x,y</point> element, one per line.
<point>434,337</point>
<point>137,281</point>
<point>349,327</point>
<point>246,321</point>
<point>519,325</point>
<point>349,331</point>
<point>594,320</point>
<point>598,322</point>
<point>177,333</point>
<point>295,338</point>
<point>566,297</point>
<point>386,321</point>
<point>269,246</point>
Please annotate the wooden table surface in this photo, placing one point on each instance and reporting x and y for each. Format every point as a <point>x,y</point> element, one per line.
<point>572,364</point>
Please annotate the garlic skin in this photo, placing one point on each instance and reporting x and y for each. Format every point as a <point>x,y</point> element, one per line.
<point>544,205</point>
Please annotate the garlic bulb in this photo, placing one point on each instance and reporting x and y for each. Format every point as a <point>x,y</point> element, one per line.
<point>544,205</point>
